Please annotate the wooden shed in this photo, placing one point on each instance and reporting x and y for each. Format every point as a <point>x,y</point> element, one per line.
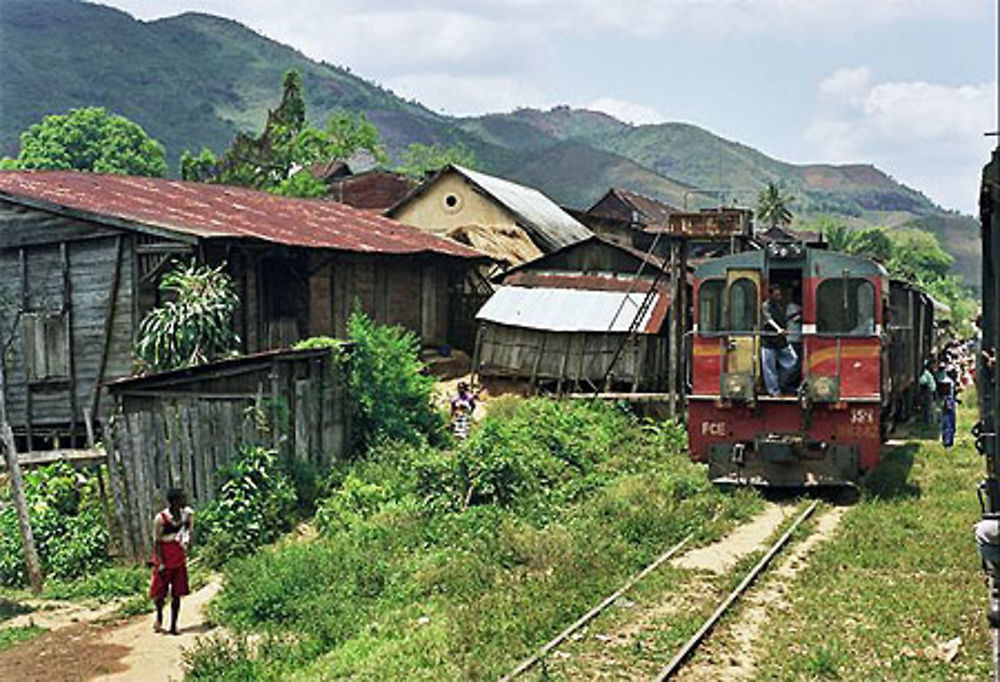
<point>180,428</point>
<point>591,316</point>
<point>81,256</point>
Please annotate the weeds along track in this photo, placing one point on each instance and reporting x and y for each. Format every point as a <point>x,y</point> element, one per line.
<point>703,632</point>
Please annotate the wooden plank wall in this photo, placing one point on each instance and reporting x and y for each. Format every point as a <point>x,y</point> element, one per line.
<point>169,438</point>
<point>52,264</point>
<point>573,360</point>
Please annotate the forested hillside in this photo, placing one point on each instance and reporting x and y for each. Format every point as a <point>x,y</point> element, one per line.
<point>194,80</point>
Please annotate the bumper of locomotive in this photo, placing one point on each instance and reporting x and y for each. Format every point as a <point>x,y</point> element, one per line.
<point>783,462</point>
<point>773,443</point>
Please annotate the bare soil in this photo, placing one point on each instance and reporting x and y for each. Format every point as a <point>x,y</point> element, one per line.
<point>77,647</point>
<point>70,653</point>
<point>723,555</point>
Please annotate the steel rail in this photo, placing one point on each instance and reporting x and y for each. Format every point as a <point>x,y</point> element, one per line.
<point>707,626</point>
<point>530,662</point>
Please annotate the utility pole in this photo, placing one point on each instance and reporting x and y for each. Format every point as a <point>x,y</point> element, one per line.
<point>17,483</point>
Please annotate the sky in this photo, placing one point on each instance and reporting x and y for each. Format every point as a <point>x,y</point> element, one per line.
<point>906,85</point>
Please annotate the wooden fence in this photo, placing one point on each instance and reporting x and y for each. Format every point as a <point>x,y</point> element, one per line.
<point>181,429</point>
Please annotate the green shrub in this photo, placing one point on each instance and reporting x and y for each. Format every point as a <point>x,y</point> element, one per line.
<point>390,393</point>
<point>67,522</point>
<point>413,578</point>
<point>195,324</point>
<point>254,506</point>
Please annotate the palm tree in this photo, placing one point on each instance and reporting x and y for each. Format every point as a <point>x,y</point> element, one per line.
<point>841,238</point>
<point>772,206</point>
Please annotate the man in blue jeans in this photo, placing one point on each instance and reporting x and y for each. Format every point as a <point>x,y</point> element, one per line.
<point>777,354</point>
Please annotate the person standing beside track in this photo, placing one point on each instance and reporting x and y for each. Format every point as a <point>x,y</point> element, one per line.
<point>777,355</point>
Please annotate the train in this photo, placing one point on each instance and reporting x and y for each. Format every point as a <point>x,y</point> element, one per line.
<point>865,338</point>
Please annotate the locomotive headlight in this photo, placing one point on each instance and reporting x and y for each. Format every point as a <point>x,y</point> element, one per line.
<point>737,387</point>
<point>824,389</point>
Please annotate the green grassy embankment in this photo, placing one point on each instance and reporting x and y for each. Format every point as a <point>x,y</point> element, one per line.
<point>437,564</point>
<point>899,579</point>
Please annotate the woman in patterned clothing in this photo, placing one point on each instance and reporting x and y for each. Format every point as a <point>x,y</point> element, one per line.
<point>462,406</point>
<point>171,541</point>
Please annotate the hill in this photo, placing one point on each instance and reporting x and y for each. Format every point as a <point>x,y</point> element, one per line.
<point>194,80</point>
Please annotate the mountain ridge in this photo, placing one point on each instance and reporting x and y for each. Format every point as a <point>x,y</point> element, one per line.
<point>195,79</point>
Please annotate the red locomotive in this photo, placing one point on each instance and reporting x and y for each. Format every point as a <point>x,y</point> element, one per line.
<point>860,347</point>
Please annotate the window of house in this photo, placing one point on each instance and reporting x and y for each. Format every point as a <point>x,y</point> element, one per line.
<point>743,305</point>
<point>44,336</point>
<point>845,305</point>
<point>452,203</point>
<point>710,305</point>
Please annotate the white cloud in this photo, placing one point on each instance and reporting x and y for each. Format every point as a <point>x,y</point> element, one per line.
<point>929,135</point>
<point>508,42</point>
<point>630,112</point>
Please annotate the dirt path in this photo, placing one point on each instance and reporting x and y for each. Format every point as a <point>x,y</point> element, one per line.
<point>78,647</point>
<point>731,652</point>
<point>722,555</point>
<point>155,657</point>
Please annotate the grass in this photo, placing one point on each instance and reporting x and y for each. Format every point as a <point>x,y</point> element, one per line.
<point>409,581</point>
<point>108,583</point>
<point>668,608</point>
<point>11,636</point>
<point>900,578</point>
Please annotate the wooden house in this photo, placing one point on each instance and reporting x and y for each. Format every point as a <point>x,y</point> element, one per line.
<point>458,197</point>
<point>373,189</point>
<point>627,218</point>
<point>81,256</point>
<point>590,316</point>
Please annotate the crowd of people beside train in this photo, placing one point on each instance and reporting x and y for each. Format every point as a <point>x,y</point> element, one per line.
<point>944,378</point>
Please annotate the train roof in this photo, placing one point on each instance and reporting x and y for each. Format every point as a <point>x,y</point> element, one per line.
<point>818,262</point>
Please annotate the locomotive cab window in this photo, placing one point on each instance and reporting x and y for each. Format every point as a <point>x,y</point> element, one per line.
<point>845,305</point>
<point>743,305</point>
<point>710,305</point>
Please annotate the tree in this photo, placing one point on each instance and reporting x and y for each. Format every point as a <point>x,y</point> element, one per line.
<point>912,254</point>
<point>90,139</point>
<point>279,160</point>
<point>419,159</point>
<point>195,325</point>
<point>772,206</point>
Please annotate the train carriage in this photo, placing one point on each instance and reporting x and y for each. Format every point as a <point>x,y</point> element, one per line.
<point>828,427</point>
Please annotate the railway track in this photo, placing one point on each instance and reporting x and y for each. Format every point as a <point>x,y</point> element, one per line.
<point>704,631</point>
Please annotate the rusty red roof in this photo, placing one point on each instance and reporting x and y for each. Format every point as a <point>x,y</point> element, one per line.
<point>219,211</point>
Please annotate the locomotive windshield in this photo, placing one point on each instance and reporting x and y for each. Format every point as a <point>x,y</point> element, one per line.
<point>743,305</point>
<point>845,305</point>
<point>710,305</point>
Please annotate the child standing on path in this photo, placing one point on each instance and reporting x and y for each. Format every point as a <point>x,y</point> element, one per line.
<point>171,541</point>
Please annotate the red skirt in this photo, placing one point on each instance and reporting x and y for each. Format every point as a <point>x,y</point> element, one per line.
<point>173,576</point>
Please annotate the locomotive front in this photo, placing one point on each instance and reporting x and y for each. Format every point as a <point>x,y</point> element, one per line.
<point>755,415</point>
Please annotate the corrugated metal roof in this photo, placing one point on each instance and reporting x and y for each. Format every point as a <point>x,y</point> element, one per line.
<point>541,215</point>
<point>571,310</point>
<point>655,211</point>
<point>216,211</point>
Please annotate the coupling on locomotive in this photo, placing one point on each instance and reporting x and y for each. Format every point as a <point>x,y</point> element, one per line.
<point>802,359</point>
